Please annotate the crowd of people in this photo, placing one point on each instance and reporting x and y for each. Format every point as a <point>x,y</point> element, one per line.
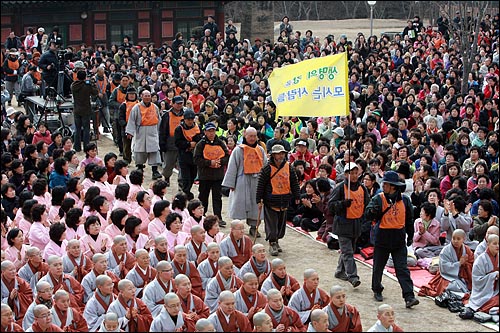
<point>411,171</point>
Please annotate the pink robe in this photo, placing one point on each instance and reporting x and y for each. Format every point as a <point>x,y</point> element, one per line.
<point>155,199</point>
<point>39,235</point>
<point>112,231</point>
<point>72,234</point>
<point>18,217</point>
<point>122,179</point>
<point>78,201</point>
<point>53,249</point>
<point>25,226</point>
<point>132,245</point>
<point>131,194</point>
<point>12,254</point>
<point>217,239</point>
<point>175,239</point>
<point>86,183</point>
<point>107,191</point>
<point>184,213</point>
<point>125,205</point>
<point>87,242</point>
<point>156,228</point>
<point>4,244</point>
<point>143,214</point>
<point>191,222</point>
<point>54,214</point>
<point>46,200</point>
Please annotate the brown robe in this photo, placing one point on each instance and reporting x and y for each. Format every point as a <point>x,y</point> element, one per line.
<point>129,262</point>
<point>12,328</point>
<point>51,328</point>
<point>194,277</point>
<point>84,268</point>
<point>75,296</point>
<point>201,309</point>
<point>294,286</point>
<point>144,317</point>
<point>78,324</point>
<point>290,318</point>
<point>24,296</point>
<point>244,251</point>
<point>261,301</point>
<point>238,322</point>
<point>349,321</point>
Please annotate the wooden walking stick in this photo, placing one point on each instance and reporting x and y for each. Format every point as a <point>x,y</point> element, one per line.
<point>258,220</point>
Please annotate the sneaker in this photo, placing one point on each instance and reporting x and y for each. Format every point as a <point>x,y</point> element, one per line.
<point>277,243</point>
<point>341,276</point>
<point>378,297</point>
<point>411,302</point>
<point>355,282</point>
<point>157,175</point>
<point>222,223</point>
<point>273,249</point>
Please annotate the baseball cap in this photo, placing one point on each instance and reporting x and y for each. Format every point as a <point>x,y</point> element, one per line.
<point>41,29</point>
<point>11,111</point>
<point>377,113</point>
<point>177,99</point>
<point>189,114</point>
<point>165,70</point>
<point>301,143</point>
<point>210,103</point>
<point>350,166</point>
<point>208,126</point>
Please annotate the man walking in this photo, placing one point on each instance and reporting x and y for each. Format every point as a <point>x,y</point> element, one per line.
<point>245,163</point>
<point>82,89</point>
<point>394,215</point>
<point>277,185</point>
<point>348,202</point>
<point>143,126</point>
<point>211,157</point>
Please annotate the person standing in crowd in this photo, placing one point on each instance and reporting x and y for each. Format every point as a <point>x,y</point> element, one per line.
<point>245,163</point>
<point>102,98</point>
<point>82,89</point>
<point>143,126</point>
<point>11,69</point>
<point>125,110</point>
<point>394,215</point>
<point>187,135</point>
<point>169,122</point>
<point>211,156</point>
<point>277,186</point>
<point>212,26</point>
<point>48,63</point>
<point>347,203</point>
<point>116,99</point>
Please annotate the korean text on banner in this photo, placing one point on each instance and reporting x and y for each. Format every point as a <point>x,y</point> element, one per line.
<point>312,88</point>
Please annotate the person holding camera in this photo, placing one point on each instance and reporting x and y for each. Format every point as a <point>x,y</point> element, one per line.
<point>48,64</point>
<point>82,90</point>
<point>348,202</point>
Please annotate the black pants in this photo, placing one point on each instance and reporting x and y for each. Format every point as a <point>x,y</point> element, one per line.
<point>82,128</point>
<point>188,172</point>
<point>275,224</point>
<point>204,189</point>
<point>380,257</point>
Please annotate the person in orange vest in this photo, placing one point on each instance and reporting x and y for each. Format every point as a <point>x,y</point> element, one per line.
<point>211,156</point>
<point>116,99</point>
<point>125,109</point>
<point>11,69</point>
<point>276,187</point>
<point>102,98</point>
<point>347,203</point>
<point>143,126</point>
<point>393,212</point>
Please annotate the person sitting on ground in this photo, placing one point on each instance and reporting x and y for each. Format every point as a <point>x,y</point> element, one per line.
<point>426,242</point>
<point>455,268</point>
<point>342,317</point>
<point>385,320</point>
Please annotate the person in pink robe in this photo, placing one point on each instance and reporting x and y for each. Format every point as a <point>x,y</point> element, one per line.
<point>75,191</point>
<point>136,179</point>
<point>100,208</point>
<point>41,193</point>
<point>121,172</point>
<point>101,181</point>
<point>117,226</point>
<point>90,194</point>
<point>179,205</point>
<point>135,238</point>
<point>173,233</point>
<point>39,231</point>
<point>16,250</point>
<point>213,233</point>
<point>156,227</point>
<point>158,191</point>
<point>57,244</point>
<point>143,210</point>
<point>121,195</point>
<point>196,211</point>
<point>74,221</point>
<point>94,241</point>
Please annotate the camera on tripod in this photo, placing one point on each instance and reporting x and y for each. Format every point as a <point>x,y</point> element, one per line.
<point>61,55</point>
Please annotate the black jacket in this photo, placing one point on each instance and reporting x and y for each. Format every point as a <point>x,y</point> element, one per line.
<point>265,188</point>
<point>81,97</point>
<point>205,172</point>
<point>183,145</point>
<point>167,142</point>
<point>48,58</point>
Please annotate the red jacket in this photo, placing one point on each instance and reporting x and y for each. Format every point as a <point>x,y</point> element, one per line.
<point>39,137</point>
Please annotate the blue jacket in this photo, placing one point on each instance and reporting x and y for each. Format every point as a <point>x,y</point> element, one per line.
<point>56,179</point>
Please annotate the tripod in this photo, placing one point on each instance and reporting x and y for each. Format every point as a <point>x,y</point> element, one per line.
<point>53,96</point>
<point>99,113</point>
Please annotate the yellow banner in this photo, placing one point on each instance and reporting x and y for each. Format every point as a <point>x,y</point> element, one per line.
<point>312,88</point>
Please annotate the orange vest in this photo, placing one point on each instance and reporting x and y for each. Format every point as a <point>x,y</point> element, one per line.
<point>128,107</point>
<point>149,117</point>
<point>213,152</point>
<point>253,160</point>
<point>173,122</point>
<point>101,84</point>
<point>113,86</point>
<point>190,133</point>
<point>120,96</point>
<point>357,206</point>
<point>74,76</point>
<point>395,217</point>
<point>14,65</point>
<point>280,180</point>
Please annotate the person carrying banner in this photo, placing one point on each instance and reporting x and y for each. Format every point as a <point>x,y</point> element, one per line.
<point>276,186</point>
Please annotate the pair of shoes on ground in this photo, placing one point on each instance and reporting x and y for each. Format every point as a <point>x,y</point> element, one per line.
<point>253,231</point>
<point>157,175</point>
<point>378,297</point>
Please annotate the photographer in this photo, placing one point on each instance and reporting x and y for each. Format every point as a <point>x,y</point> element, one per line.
<point>48,63</point>
<point>82,90</point>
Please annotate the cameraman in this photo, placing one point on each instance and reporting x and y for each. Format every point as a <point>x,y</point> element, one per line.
<point>48,63</point>
<point>82,90</point>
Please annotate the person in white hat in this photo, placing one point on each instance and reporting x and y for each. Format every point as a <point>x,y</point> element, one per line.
<point>9,122</point>
<point>277,185</point>
<point>348,201</point>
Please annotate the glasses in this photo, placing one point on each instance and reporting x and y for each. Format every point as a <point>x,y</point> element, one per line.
<point>174,306</point>
<point>45,315</point>
<point>238,228</point>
